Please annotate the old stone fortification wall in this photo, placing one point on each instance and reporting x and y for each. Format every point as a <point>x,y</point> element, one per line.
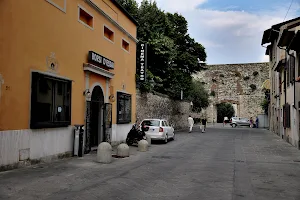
<point>160,106</point>
<point>232,83</point>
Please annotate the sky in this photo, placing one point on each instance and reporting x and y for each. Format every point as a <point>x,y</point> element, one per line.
<point>231,30</point>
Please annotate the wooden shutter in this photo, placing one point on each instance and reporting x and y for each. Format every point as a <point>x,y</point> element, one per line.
<point>292,68</point>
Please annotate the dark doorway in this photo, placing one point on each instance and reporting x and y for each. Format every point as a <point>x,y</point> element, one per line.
<point>96,120</point>
<point>224,110</point>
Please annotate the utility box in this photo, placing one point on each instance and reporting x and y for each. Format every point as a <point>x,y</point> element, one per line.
<point>78,140</point>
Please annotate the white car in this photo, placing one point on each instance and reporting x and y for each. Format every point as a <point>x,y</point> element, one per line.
<point>158,129</point>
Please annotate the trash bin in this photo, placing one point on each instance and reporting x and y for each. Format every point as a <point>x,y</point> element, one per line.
<point>78,140</point>
<point>81,133</point>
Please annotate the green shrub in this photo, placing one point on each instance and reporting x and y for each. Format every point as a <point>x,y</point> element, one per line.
<point>213,93</point>
<point>253,87</point>
<point>246,78</point>
<point>255,73</point>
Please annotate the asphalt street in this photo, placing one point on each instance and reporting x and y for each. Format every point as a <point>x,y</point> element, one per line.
<point>223,163</point>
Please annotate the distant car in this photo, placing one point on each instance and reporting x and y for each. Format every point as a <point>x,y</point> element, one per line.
<point>158,129</point>
<point>239,121</point>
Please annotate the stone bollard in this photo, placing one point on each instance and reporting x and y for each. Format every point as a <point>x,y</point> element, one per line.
<point>123,150</point>
<point>148,140</point>
<point>104,153</point>
<point>143,145</point>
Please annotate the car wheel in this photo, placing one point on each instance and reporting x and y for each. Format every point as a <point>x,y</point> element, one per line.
<point>166,139</point>
<point>234,126</point>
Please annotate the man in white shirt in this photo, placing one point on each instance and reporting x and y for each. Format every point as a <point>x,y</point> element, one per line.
<point>191,123</point>
<point>225,121</point>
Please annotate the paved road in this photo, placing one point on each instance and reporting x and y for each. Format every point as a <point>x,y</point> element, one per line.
<point>240,163</point>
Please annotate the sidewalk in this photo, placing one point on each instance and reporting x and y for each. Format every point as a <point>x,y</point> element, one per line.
<point>68,175</point>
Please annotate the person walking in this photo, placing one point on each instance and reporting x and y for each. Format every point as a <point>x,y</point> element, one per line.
<point>225,121</point>
<point>191,123</point>
<point>203,125</point>
<point>256,122</point>
<point>251,122</point>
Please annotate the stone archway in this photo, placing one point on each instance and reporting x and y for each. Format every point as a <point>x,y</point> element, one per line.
<point>223,104</point>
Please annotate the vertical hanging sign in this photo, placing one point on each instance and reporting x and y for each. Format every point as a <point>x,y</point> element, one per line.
<point>142,61</point>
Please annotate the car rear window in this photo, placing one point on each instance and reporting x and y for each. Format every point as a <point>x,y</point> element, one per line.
<point>151,122</point>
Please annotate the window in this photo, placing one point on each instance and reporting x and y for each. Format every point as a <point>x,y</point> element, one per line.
<point>151,123</point>
<point>85,18</point>
<point>288,72</point>
<point>50,102</point>
<point>280,83</point>
<point>298,65</point>
<point>292,69</point>
<point>60,4</point>
<point>287,116</point>
<point>125,45</point>
<point>167,123</point>
<point>123,108</point>
<point>108,34</point>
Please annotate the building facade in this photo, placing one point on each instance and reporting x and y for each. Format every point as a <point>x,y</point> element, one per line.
<point>64,63</point>
<point>284,72</point>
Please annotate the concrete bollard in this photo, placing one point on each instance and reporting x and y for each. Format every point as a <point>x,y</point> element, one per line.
<point>148,140</point>
<point>123,150</point>
<point>104,153</point>
<point>143,145</point>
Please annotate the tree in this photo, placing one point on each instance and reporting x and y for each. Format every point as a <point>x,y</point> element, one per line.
<point>131,6</point>
<point>172,54</point>
<point>224,110</point>
<point>198,95</point>
<point>266,102</point>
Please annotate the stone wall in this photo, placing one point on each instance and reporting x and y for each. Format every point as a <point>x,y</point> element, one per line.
<point>232,83</point>
<point>160,106</point>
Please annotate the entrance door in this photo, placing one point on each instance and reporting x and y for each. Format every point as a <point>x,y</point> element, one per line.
<point>96,117</point>
<point>107,122</point>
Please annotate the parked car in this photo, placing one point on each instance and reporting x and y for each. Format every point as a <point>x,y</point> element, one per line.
<point>239,121</point>
<point>158,129</point>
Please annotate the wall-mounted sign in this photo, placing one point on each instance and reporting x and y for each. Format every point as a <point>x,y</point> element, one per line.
<point>142,61</point>
<point>100,60</point>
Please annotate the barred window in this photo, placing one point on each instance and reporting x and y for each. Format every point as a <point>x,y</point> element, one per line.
<point>50,102</point>
<point>292,68</point>
<point>287,116</point>
<point>298,65</point>
<point>124,108</point>
<point>288,74</point>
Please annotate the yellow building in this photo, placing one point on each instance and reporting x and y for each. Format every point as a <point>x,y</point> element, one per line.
<point>64,62</point>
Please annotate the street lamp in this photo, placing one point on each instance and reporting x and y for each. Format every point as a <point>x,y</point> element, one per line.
<point>87,94</point>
